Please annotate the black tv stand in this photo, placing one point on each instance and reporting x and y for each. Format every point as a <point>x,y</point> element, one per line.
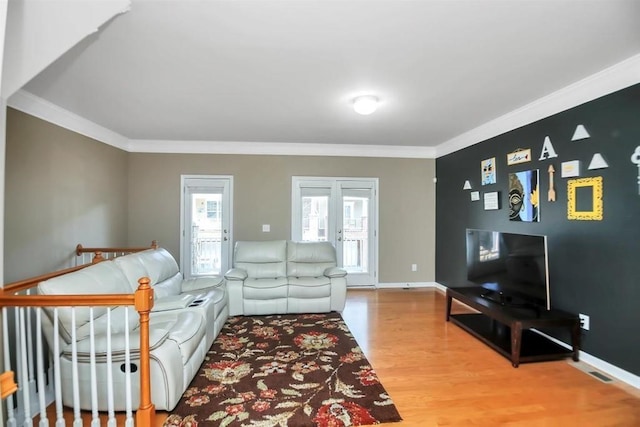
<point>501,298</point>
<point>504,326</point>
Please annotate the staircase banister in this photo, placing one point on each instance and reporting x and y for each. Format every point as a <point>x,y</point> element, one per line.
<point>81,249</point>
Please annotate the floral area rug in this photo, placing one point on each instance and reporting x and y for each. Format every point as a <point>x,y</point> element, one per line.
<point>285,370</point>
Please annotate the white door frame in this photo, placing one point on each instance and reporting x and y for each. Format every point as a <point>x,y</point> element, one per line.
<point>332,184</point>
<point>184,243</point>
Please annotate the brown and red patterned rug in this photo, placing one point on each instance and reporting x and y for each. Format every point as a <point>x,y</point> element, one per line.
<point>285,370</point>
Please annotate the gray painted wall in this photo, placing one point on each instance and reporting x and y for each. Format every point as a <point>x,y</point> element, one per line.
<point>64,188</point>
<point>262,195</point>
<point>61,189</point>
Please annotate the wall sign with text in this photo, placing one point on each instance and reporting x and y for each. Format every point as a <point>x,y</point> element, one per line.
<point>519,156</point>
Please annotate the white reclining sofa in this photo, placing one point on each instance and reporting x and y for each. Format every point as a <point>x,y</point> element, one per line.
<point>186,317</point>
<point>278,277</point>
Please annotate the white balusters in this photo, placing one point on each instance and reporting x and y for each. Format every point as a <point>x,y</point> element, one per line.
<point>27,347</point>
<point>30,363</point>
<point>95,420</point>
<point>56,371</point>
<point>11,419</point>
<point>111,422</point>
<point>77,419</point>
<point>127,362</point>
<point>40,374</point>
<point>24,368</point>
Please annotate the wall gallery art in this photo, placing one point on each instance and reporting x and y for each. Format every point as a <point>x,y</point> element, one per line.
<point>593,209</point>
<point>519,156</point>
<point>524,196</point>
<point>489,171</point>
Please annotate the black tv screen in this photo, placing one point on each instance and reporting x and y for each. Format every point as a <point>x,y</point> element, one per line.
<point>512,267</point>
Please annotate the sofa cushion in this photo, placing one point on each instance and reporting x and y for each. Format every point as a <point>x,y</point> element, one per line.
<point>156,264</point>
<point>132,268</point>
<point>168,287</point>
<point>101,278</point>
<point>309,288</point>
<point>159,263</point>
<point>119,322</point>
<point>309,259</point>
<point>119,341</point>
<point>265,288</point>
<point>262,259</point>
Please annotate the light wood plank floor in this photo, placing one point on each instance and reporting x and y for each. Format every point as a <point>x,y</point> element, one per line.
<point>439,375</point>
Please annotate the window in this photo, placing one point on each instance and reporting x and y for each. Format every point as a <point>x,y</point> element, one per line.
<point>213,209</point>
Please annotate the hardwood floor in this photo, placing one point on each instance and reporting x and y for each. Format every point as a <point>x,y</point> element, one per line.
<point>439,375</point>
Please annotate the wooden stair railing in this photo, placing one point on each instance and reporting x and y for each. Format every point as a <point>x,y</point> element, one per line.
<point>141,299</point>
<point>7,385</point>
<point>100,254</point>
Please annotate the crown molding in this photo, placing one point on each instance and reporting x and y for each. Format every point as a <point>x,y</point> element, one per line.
<point>279,149</point>
<point>45,110</point>
<point>609,80</point>
<point>616,77</point>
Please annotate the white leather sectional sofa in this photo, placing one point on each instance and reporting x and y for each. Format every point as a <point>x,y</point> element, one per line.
<point>186,317</point>
<point>279,276</point>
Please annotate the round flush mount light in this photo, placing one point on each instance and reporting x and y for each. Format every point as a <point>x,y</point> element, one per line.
<point>365,104</point>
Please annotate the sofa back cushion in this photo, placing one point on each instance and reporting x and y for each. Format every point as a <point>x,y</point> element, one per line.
<point>309,259</point>
<point>262,260</point>
<point>101,278</point>
<point>156,264</point>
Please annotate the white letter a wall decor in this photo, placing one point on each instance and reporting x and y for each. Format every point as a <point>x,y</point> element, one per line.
<point>547,150</point>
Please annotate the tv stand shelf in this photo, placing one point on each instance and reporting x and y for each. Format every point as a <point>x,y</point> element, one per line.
<point>506,328</point>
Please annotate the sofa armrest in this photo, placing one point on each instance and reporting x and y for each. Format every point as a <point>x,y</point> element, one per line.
<point>200,283</point>
<point>173,302</point>
<point>335,272</point>
<point>236,274</point>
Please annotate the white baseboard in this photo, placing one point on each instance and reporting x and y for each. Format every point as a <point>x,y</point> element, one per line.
<point>410,285</point>
<point>604,366</point>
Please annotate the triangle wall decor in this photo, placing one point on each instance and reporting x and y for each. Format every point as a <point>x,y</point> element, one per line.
<point>598,162</point>
<point>580,133</point>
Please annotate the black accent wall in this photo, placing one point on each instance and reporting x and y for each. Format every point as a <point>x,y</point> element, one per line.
<point>594,266</point>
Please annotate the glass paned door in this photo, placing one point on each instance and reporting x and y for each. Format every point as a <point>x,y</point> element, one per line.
<point>315,214</point>
<point>342,211</point>
<point>355,231</point>
<point>206,225</point>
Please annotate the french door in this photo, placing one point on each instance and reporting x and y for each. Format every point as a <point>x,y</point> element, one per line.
<point>342,211</point>
<point>205,221</point>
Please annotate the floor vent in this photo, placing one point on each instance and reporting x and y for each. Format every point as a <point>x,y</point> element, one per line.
<point>600,376</point>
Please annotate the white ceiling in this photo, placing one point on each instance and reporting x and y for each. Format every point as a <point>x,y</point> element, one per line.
<point>285,71</point>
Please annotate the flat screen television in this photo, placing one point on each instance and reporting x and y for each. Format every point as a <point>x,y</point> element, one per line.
<point>513,268</point>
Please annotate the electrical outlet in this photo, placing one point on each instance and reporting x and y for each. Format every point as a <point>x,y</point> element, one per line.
<point>584,321</point>
<point>414,267</point>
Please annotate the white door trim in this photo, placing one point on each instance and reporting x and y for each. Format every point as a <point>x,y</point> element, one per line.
<point>183,183</point>
<point>331,183</point>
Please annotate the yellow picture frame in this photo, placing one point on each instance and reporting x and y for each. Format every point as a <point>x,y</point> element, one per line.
<point>596,212</point>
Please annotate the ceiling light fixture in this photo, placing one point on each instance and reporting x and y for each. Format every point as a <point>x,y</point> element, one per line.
<point>365,104</point>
